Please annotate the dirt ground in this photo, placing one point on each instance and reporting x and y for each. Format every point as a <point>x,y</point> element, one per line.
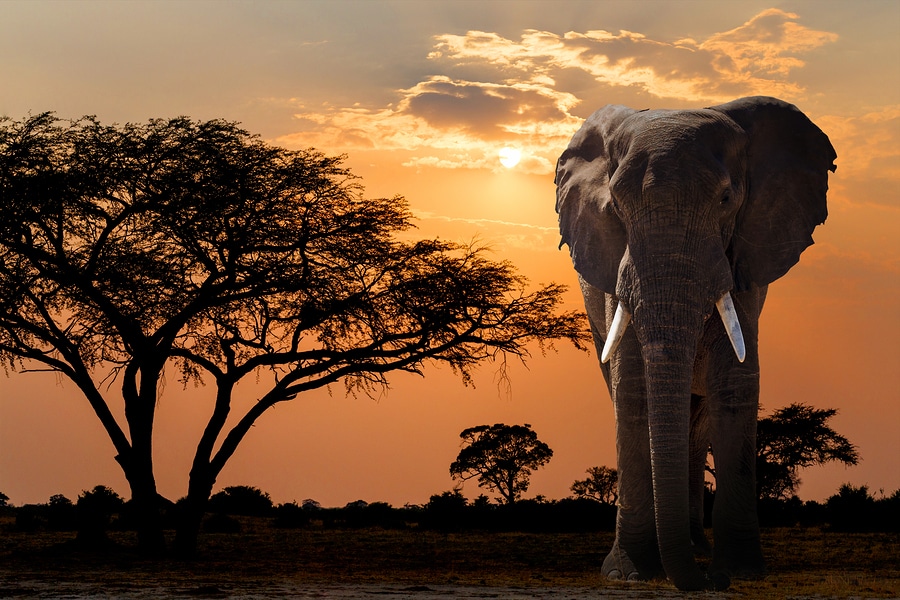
<point>262,562</point>
<point>75,591</point>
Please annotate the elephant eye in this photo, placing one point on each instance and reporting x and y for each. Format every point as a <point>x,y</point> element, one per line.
<point>726,198</point>
<point>615,205</point>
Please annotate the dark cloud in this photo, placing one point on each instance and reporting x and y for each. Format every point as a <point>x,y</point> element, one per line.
<point>485,110</point>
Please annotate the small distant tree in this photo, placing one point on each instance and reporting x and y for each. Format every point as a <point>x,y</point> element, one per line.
<point>851,509</point>
<point>241,500</point>
<point>502,457</point>
<point>198,248</point>
<point>61,513</point>
<point>602,485</point>
<point>793,438</point>
<point>446,511</point>
<point>4,499</point>
<point>311,505</point>
<point>94,510</point>
<point>290,516</point>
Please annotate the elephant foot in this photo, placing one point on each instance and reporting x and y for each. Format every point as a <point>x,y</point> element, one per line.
<point>618,566</point>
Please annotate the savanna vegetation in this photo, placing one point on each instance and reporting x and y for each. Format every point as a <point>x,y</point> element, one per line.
<point>196,247</point>
<point>499,455</point>
<point>375,544</point>
<point>843,546</point>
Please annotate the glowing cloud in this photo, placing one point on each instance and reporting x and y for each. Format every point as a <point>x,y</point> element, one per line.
<point>446,122</point>
<point>868,148</point>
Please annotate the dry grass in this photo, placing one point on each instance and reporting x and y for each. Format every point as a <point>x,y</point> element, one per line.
<point>802,563</point>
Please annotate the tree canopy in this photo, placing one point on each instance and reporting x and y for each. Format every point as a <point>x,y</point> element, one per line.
<point>195,245</point>
<point>502,457</point>
<point>602,485</point>
<point>793,438</point>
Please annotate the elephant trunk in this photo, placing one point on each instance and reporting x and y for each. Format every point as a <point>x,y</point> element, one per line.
<point>670,282</point>
<point>669,321</point>
<point>669,414</point>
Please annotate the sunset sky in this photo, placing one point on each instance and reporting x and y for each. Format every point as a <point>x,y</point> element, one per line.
<point>422,96</point>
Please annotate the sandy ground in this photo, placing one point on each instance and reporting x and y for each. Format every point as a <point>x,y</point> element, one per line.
<point>124,591</point>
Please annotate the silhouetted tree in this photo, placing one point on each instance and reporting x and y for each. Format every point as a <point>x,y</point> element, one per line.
<point>290,516</point>
<point>4,499</point>
<point>311,505</point>
<point>94,509</point>
<point>241,500</point>
<point>602,485</point>
<point>61,513</point>
<point>446,511</point>
<point>793,438</point>
<point>502,457</point>
<point>851,509</point>
<point>125,250</point>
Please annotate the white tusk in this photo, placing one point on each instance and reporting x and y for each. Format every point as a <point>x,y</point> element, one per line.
<point>732,325</point>
<point>619,324</point>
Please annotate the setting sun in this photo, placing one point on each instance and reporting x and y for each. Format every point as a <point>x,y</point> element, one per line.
<point>509,157</point>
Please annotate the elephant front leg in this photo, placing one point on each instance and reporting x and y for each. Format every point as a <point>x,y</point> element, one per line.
<point>635,554</point>
<point>733,404</point>
<point>737,549</point>
<point>733,408</point>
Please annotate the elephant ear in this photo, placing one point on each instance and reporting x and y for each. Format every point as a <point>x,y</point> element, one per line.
<point>787,166</point>
<point>587,221</point>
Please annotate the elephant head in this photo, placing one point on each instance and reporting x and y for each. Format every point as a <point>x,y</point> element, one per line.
<point>670,213</point>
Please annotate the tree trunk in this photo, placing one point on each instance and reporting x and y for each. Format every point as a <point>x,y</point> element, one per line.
<point>145,503</point>
<point>192,510</point>
<point>139,391</point>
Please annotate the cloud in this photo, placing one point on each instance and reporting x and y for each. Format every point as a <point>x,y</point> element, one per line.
<point>765,45</point>
<point>755,58</point>
<point>458,124</point>
<point>486,110</point>
<point>868,149</point>
<point>455,122</point>
<point>623,59</point>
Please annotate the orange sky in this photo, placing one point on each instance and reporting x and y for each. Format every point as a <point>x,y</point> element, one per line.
<point>422,97</point>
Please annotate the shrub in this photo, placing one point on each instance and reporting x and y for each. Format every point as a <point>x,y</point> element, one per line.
<point>61,513</point>
<point>241,500</point>
<point>94,511</point>
<point>851,509</point>
<point>30,517</point>
<point>446,511</point>
<point>290,516</point>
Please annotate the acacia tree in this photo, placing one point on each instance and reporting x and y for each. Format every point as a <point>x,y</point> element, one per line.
<point>502,457</point>
<point>793,438</point>
<point>602,485</point>
<point>125,250</point>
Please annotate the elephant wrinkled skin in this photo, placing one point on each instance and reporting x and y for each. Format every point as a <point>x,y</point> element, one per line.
<point>669,215</point>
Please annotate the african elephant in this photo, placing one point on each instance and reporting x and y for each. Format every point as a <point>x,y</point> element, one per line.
<point>671,216</point>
